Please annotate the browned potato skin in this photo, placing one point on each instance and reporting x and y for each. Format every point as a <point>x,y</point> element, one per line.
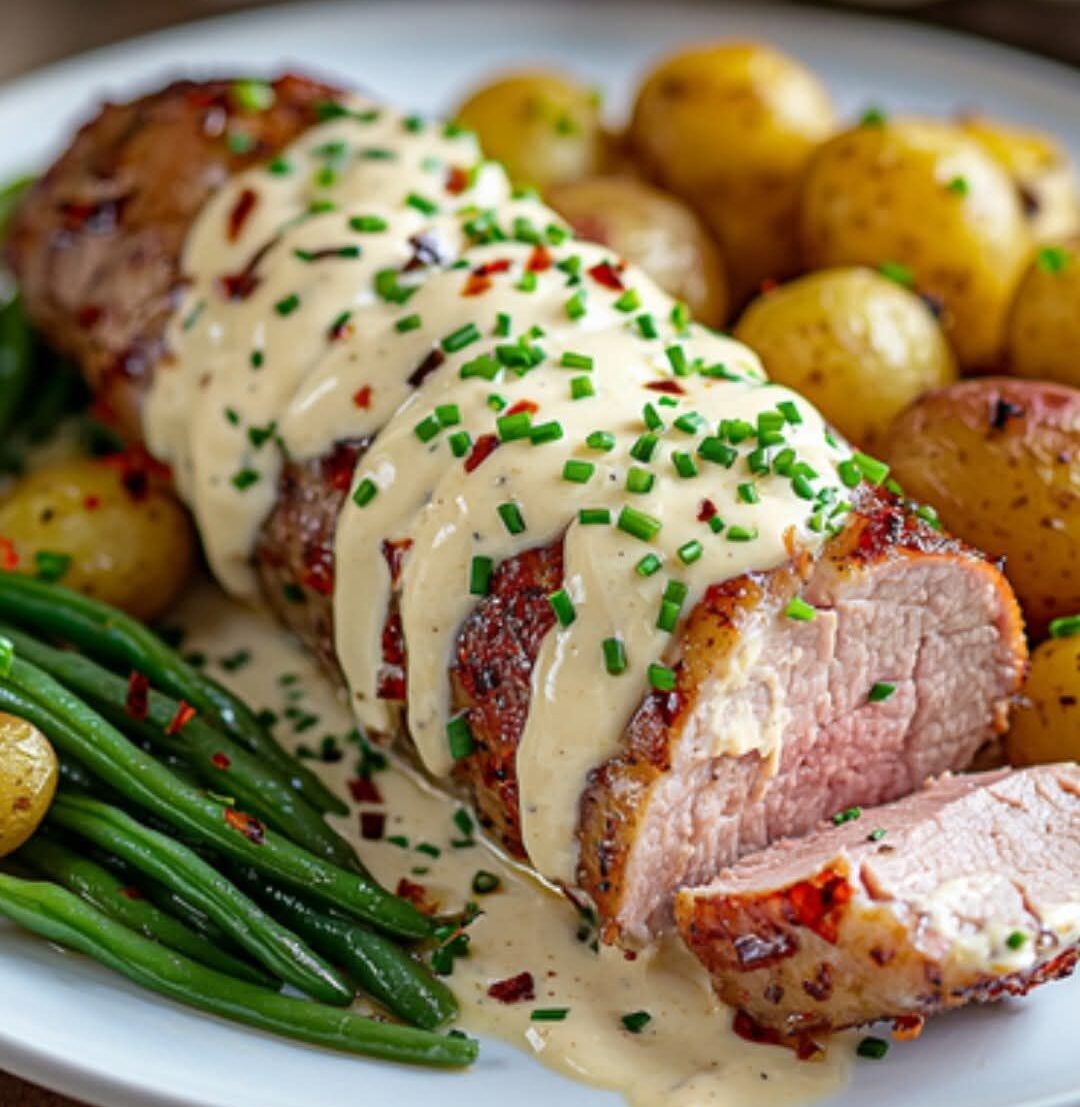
<point>729,127</point>
<point>654,230</point>
<point>1046,726</point>
<point>1040,170</point>
<point>887,192</point>
<point>1043,339</point>
<point>28,776</point>
<point>1000,460</point>
<point>131,547</point>
<point>856,344</point>
<point>543,126</point>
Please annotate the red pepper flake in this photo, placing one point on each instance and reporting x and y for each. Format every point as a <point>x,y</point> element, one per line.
<point>416,894</point>
<point>319,570</point>
<point>340,465</point>
<point>906,1028</point>
<point>605,273</point>
<point>457,180</point>
<point>91,502</point>
<point>246,824</point>
<point>427,367</point>
<point>136,468</point>
<point>364,790</point>
<point>707,510</point>
<point>482,449</point>
<point>819,903</point>
<point>242,209</point>
<point>672,388</point>
<point>220,761</point>
<point>184,714</point>
<point>394,551</point>
<point>539,259</point>
<point>531,406</point>
<point>342,328</point>
<point>238,286</point>
<point>362,397</point>
<point>131,892</point>
<point>391,677</point>
<point>9,556</point>
<point>372,826</point>
<point>514,989</point>
<point>476,284</point>
<point>138,696</point>
<point>490,268</point>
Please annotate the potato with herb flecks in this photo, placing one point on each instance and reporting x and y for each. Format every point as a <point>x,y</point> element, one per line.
<point>1044,323</point>
<point>653,229</point>
<point>855,343</point>
<point>1040,170</point>
<point>28,776</point>
<point>104,527</point>
<point>544,127</point>
<point>729,127</point>
<point>928,200</point>
<point>1000,460</point>
<point>1046,726</point>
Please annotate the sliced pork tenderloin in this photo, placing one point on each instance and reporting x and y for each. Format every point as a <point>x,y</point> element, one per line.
<point>965,892</point>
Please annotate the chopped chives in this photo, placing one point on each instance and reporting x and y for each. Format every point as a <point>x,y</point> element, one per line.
<point>448,414</point>
<point>513,520</point>
<point>741,534</point>
<point>570,360</point>
<point>645,446</point>
<point>715,449</point>
<point>614,655</point>
<point>639,480</point>
<point>563,607</point>
<point>594,516</point>
<point>407,323</point>
<point>684,464</point>
<point>648,565</point>
<point>484,883</point>
<point>600,440</point>
<point>244,479</point>
<point>628,301</point>
<point>876,834</point>
<point>881,691</point>
<point>872,1048</point>
<point>549,1014</point>
<point>484,366</point>
<point>690,422</point>
<point>462,337</point>
<point>512,427</point>
<point>638,524</point>
<point>646,325</point>
<point>546,432</point>
<point>421,203</point>
<point>790,412</point>
<point>898,272</point>
<point>287,305</point>
<point>636,1021</point>
<point>662,678</point>
<point>848,815</point>
<point>459,737</point>
<point>676,356</point>
<point>503,323</point>
<point>1065,626</point>
<point>748,494</point>
<point>365,492</point>
<point>480,575</point>
<point>581,388</point>
<point>1016,939</point>
<point>802,487</point>
<point>460,443</point>
<point>873,470</point>
<point>578,472</point>
<point>680,315</point>
<point>575,306</point>
<point>427,428</point>
<point>799,610</point>
<point>716,524</point>
<point>689,552</point>
<point>849,472</point>
<point>783,462</point>
<point>528,282</point>
<point>669,615</point>
<point>651,417</point>
<point>257,359</point>
<point>368,224</point>
<point>496,402</point>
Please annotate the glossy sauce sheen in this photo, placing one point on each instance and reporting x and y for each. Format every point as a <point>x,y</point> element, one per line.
<point>352,287</point>
<point>686,1055</point>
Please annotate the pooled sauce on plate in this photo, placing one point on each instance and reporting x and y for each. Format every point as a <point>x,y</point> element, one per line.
<point>380,278</point>
<point>683,1054</point>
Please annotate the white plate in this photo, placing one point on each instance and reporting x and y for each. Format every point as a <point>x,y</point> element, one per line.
<point>69,1025</point>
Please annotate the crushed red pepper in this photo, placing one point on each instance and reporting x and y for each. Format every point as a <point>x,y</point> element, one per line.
<point>482,449</point>
<point>251,828</point>
<point>514,989</point>
<point>184,714</point>
<point>138,696</point>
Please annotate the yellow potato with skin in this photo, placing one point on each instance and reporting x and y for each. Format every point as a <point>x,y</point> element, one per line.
<point>925,196</point>
<point>1046,726</point>
<point>656,231</point>
<point>730,127</point>
<point>856,344</point>
<point>127,543</point>
<point>1000,460</point>
<point>1040,170</point>
<point>1043,338</point>
<point>28,776</point>
<point>543,126</point>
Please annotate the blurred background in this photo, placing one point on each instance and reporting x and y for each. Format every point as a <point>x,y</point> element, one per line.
<point>43,31</point>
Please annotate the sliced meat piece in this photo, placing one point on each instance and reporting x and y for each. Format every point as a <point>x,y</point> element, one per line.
<point>965,892</point>
<point>96,243</point>
<point>897,604</point>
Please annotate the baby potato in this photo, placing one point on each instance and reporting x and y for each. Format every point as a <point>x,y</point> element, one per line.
<point>729,127</point>
<point>1000,460</point>
<point>855,343</point>
<point>1044,324</point>
<point>924,197</point>
<point>28,776</point>
<point>1040,171</point>
<point>102,529</point>
<point>1046,726</point>
<point>544,127</point>
<point>653,229</point>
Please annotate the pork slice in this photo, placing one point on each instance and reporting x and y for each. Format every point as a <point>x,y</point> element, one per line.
<point>776,723</point>
<point>967,891</point>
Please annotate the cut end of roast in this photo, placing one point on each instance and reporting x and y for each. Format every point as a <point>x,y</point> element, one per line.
<point>967,891</point>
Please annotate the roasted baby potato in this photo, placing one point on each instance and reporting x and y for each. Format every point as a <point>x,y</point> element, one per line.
<point>28,776</point>
<point>929,201</point>
<point>1046,726</point>
<point>544,127</point>
<point>103,529</point>
<point>1043,338</point>
<point>857,344</point>
<point>1040,170</point>
<point>729,127</point>
<point>654,230</point>
<point>1000,460</point>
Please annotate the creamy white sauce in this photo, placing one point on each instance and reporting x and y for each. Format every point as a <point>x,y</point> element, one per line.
<point>686,1056</point>
<point>269,372</point>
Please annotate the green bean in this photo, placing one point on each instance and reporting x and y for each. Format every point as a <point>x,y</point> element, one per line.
<point>181,869</point>
<point>219,762</point>
<point>124,903</point>
<point>61,917</point>
<point>121,642</point>
<point>15,361</point>
<point>379,967</point>
<point>82,734</point>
